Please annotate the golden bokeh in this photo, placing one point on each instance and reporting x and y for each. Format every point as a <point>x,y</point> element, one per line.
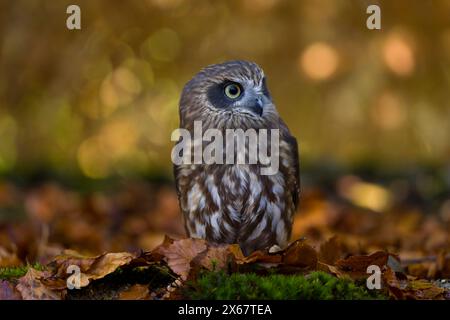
<point>346,92</point>
<point>398,55</point>
<point>389,111</point>
<point>319,61</point>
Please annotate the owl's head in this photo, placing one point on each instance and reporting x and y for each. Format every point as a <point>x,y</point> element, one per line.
<point>233,94</point>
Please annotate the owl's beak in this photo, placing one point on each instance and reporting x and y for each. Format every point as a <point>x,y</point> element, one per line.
<point>256,106</point>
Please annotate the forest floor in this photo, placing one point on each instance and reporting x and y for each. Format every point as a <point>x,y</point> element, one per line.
<point>360,236</point>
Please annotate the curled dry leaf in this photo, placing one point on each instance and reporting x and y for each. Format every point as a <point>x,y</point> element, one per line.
<point>356,266</point>
<point>91,268</point>
<point>31,287</point>
<point>62,262</point>
<point>393,284</point>
<point>330,251</point>
<point>261,257</point>
<point>108,263</point>
<point>179,254</point>
<point>300,254</point>
<point>321,266</point>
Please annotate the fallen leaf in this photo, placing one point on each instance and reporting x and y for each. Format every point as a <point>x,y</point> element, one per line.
<point>301,255</point>
<point>321,266</point>
<point>356,266</point>
<point>423,289</point>
<point>108,263</point>
<point>31,287</point>
<point>8,259</point>
<point>236,251</point>
<point>180,254</point>
<point>135,292</point>
<point>219,257</point>
<point>330,251</point>
<point>91,268</point>
<point>62,262</point>
<point>262,257</point>
<point>393,284</point>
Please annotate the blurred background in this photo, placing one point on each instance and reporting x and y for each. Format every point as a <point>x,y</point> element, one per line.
<point>86,117</point>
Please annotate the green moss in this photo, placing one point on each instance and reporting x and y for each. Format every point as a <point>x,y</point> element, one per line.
<point>316,286</point>
<point>17,272</point>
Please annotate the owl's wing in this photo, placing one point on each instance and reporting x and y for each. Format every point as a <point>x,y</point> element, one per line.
<point>176,171</point>
<point>177,176</point>
<point>292,142</point>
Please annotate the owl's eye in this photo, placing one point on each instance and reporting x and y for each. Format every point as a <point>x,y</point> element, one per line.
<point>233,91</point>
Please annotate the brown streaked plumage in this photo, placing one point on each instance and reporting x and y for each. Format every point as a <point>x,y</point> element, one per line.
<point>234,203</point>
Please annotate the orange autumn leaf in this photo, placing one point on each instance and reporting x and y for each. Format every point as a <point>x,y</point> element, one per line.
<point>135,292</point>
<point>356,266</point>
<point>91,268</point>
<point>108,263</point>
<point>301,255</point>
<point>330,251</point>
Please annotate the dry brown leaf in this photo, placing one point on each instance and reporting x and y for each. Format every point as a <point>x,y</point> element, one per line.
<point>328,269</point>
<point>179,254</point>
<point>393,284</point>
<point>108,263</point>
<point>219,257</point>
<point>236,251</point>
<point>61,262</point>
<point>330,251</point>
<point>156,254</point>
<point>423,289</point>
<point>31,287</point>
<point>262,257</point>
<point>91,268</point>
<point>8,259</point>
<point>300,254</point>
<point>356,266</point>
<point>135,292</point>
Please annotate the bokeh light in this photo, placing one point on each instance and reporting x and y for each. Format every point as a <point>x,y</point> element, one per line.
<point>389,111</point>
<point>319,61</point>
<point>347,93</point>
<point>398,54</point>
<point>163,45</point>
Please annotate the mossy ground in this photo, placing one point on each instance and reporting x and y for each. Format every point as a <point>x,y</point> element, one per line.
<point>220,286</point>
<point>315,286</point>
<point>12,273</point>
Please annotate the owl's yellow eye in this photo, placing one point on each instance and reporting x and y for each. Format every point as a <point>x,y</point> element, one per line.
<point>233,91</point>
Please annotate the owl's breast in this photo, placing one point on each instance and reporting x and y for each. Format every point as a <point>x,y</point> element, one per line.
<point>235,203</point>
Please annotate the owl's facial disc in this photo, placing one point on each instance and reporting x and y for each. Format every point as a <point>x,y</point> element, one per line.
<point>239,97</point>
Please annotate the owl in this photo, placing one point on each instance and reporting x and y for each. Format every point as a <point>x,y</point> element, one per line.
<point>227,203</point>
